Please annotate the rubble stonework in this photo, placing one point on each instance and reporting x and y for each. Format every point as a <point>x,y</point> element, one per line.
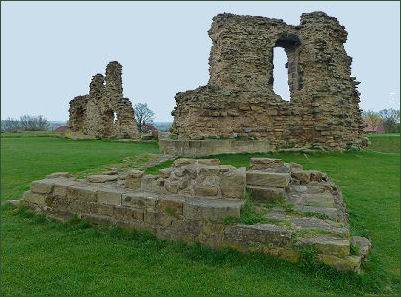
<point>239,102</point>
<point>206,202</point>
<point>104,112</point>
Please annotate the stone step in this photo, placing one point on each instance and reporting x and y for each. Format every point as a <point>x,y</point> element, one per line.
<point>267,179</point>
<point>259,233</point>
<point>267,194</point>
<point>328,245</point>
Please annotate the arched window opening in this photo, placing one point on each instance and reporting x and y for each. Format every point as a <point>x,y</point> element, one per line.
<point>287,74</point>
<point>280,73</point>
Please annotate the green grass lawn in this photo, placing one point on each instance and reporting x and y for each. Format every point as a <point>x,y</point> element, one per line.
<point>40,257</point>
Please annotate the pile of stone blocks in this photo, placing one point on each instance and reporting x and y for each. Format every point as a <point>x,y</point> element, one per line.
<point>203,201</point>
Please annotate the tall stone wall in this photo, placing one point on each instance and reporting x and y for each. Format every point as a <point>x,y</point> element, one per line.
<point>239,101</point>
<point>104,112</point>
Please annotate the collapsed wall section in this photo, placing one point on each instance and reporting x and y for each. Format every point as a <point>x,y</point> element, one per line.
<point>104,112</point>
<point>274,207</point>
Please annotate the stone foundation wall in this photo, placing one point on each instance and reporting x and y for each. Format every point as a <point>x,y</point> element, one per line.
<point>104,112</point>
<point>205,202</point>
<point>239,100</point>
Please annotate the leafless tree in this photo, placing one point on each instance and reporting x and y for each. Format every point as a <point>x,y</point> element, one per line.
<point>25,123</point>
<point>143,116</point>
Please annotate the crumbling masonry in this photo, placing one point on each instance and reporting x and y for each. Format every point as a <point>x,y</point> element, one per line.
<point>104,112</point>
<point>239,102</point>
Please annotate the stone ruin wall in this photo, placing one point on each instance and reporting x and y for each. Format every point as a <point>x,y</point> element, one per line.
<point>205,202</point>
<point>104,112</point>
<point>239,101</point>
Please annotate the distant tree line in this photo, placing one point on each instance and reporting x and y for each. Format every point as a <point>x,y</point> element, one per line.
<point>25,123</point>
<point>384,121</point>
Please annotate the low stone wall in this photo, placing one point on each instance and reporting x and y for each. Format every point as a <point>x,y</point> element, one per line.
<point>207,147</point>
<point>203,201</point>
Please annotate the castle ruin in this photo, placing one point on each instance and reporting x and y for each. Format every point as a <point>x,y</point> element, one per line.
<point>104,112</point>
<point>239,102</point>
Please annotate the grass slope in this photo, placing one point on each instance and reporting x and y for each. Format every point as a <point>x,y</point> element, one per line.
<point>40,257</point>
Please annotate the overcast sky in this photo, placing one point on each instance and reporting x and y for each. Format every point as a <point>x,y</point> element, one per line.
<point>49,51</point>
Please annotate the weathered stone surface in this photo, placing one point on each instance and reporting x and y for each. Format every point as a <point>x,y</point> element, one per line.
<point>267,194</point>
<point>59,174</point>
<point>211,209</point>
<point>44,186</point>
<point>232,184</point>
<point>262,233</point>
<point>348,263</point>
<point>265,163</point>
<point>133,179</point>
<point>311,223</point>
<point>239,100</point>
<point>101,178</point>
<point>328,245</point>
<point>140,200</point>
<point>82,192</point>
<point>170,205</point>
<point>104,112</point>
<point>267,179</point>
<point>150,183</point>
<point>34,198</point>
<point>362,244</point>
<point>109,196</point>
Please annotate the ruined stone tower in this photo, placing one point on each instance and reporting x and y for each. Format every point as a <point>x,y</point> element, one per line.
<point>104,112</point>
<point>239,102</point>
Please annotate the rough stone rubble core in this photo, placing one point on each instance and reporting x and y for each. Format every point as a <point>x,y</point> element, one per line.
<point>239,102</point>
<point>203,201</point>
<point>104,112</point>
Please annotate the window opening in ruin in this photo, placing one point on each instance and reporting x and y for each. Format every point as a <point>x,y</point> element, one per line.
<point>280,73</point>
<point>114,117</point>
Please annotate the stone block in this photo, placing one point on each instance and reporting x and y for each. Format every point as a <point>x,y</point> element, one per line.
<point>34,198</point>
<point>312,223</point>
<point>328,245</point>
<point>82,192</point>
<point>267,194</point>
<point>60,191</point>
<point>267,179</point>
<point>265,163</point>
<point>348,263</point>
<point>198,208</point>
<point>294,167</point>
<point>302,175</point>
<point>101,178</point>
<point>122,213</point>
<point>232,184</point>
<point>209,162</point>
<point>59,174</point>
<point>206,190</point>
<point>150,183</point>
<point>140,200</point>
<point>362,244</point>
<point>105,210</point>
<point>266,234</point>
<point>44,186</point>
<point>133,179</point>
<point>171,206</point>
<point>183,162</point>
<point>109,196</point>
